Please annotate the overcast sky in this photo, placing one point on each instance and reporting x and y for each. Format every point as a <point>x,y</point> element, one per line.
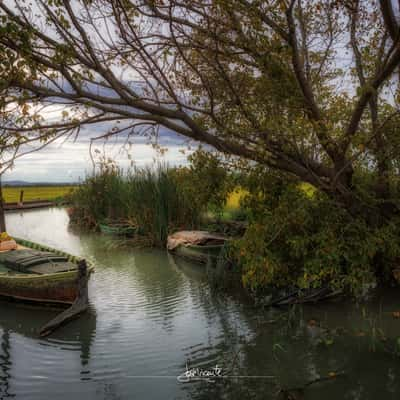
<point>69,161</point>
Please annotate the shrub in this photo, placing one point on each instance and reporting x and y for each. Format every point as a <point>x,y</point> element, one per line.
<point>205,181</point>
<point>309,241</point>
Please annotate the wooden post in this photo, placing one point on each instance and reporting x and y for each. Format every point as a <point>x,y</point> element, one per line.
<point>21,197</point>
<point>2,214</point>
<point>83,294</point>
<point>79,306</point>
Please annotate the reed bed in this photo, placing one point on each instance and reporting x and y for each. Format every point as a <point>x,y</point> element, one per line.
<point>151,200</point>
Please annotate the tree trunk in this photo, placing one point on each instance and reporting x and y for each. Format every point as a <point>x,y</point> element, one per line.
<point>2,216</point>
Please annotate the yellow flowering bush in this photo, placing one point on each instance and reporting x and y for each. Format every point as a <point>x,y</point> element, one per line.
<point>4,236</point>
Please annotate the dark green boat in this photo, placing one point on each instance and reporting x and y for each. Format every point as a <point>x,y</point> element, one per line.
<point>34,272</point>
<point>118,229</point>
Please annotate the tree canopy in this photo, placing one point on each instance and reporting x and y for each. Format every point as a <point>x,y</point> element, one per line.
<point>307,87</point>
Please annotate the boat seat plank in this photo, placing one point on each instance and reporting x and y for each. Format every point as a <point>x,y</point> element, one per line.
<point>52,268</point>
<point>23,260</point>
<point>40,260</point>
<point>17,256</point>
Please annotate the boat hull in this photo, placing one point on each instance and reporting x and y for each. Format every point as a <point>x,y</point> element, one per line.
<point>201,254</point>
<point>59,287</point>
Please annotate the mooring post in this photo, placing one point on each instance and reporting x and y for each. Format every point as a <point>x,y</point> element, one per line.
<point>21,197</point>
<point>82,281</point>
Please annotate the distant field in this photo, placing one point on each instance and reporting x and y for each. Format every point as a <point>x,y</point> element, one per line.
<point>11,194</point>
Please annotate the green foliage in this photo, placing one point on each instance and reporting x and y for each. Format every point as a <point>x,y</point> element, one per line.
<point>205,181</point>
<point>295,239</point>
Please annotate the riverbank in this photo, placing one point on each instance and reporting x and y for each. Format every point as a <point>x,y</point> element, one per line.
<point>28,205</point>
<point>287,235</point>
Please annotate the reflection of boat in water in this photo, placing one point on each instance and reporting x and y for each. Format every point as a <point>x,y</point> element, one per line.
<point>18,318</point>
<point>39,273</point>
<point>27,319</point>
<point>188,268</point>
<point>19,326</point>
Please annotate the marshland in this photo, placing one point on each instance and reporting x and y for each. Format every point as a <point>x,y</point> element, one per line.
<point>153,315</point>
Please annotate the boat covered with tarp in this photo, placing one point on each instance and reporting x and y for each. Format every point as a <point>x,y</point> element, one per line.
<point>200,246</point>
<point>38,273</point>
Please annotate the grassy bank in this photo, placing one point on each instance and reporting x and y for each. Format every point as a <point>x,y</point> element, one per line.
<point>31,193</point>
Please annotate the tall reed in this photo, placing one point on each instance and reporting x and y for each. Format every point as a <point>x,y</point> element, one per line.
<point>152,200</point>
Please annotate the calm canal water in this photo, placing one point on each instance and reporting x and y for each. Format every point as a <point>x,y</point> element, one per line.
<point>151,314</point>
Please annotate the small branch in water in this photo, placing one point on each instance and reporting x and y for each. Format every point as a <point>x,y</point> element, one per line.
<point>79,306</point>
<point>299,393</point>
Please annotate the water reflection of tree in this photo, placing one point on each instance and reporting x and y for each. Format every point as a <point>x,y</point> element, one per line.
<point>279,343</point>
<point>218,307</point>
<point>235,331</point>
<point>5,365</point>
<point>288,346</point>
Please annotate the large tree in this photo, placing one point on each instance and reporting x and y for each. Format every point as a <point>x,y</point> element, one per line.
<point>304,86</point>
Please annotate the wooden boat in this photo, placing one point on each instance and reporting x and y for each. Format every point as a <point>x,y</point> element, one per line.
<point>118,229</point>
<point>38,273</point>
<point>198,253</point>
<point>199,246</point>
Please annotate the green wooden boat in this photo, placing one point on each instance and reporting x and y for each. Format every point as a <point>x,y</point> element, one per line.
<point>38,273</point>
<point>118,229</point>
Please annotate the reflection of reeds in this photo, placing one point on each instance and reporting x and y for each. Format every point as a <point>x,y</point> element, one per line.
<point>150,200</point>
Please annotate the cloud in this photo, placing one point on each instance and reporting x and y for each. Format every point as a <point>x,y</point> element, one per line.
<point>70,161</point>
